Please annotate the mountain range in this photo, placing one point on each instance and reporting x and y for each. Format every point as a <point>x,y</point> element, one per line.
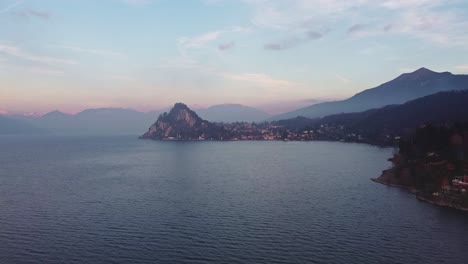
<point>106,121</point>
<point>112,121</point>
<point>381,125</point>
<point>11,126</point>
<point>437,109</point>
<point>404,88</point>
<point>378,126</point>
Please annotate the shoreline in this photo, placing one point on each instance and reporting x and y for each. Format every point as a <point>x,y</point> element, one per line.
<point>421,197</point>
<point>380,181</point>
<point>441,203</point>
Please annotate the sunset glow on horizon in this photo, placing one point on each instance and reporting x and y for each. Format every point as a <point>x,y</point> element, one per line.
<point>271,54</point>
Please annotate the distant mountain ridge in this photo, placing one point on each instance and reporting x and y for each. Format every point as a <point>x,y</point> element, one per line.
<point>404,88</point>
<point>381,125</point>
<point>99,121</point>
<point>440,108</point>
<point>10,126</point>
<point>122,121</point>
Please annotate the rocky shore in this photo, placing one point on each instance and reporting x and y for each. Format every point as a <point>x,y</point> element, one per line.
<point>446,197</point>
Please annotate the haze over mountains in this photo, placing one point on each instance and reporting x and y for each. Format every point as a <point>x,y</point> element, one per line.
<point>437,109</point>
<point>405,87</point>
<point>120,121</point>
<point>111,121</point>
<point>11,126</point>
<point>442,108</point>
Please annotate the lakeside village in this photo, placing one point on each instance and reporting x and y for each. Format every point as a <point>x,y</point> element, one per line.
<point>239,131</point>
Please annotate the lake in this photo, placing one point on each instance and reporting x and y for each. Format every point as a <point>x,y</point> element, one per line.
<point>123,200</point>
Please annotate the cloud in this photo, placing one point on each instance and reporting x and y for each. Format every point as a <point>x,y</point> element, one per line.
<point>283,44</point>
<point>313,35</point>
<point>227,46</point>
<point>259,79</point>
<point>433,21</point>
<point>46,71</point>
<point>293,41</point>
<point>201,40</point>
<point>17,52</point>
<point>10,7</point>
<point>98,52</point>
<point>404,4</point>
<point>293,14</point>
<point>342,79</point>
<point>33,13</point>
<point>137,2</point>
<point>388,27</point>
<point>356,28</point>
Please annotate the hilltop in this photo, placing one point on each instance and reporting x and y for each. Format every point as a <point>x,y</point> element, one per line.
<point>181,123</point>
<point>404,88</point>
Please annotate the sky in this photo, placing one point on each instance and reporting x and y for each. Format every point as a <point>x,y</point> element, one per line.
<point>272,54</point>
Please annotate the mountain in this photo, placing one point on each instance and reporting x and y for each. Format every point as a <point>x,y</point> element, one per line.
<point>229,113</point>
<point>10,126</point>
<point>100,121</point>
<point>438,109</point>
<point>181,123</point>
<point>406,87</point>
<point>382,125</point>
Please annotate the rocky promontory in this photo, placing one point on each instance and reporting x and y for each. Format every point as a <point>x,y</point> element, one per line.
<point>433,165</point>
<point>181,123</point>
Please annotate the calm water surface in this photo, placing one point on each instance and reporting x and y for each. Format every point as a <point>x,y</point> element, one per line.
<point>123,200</point>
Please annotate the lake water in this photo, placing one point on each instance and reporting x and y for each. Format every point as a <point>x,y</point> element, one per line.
<point>124,200</point>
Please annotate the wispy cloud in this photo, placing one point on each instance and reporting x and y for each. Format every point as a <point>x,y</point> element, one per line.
<point>137,2</point>
<point>342,78</point>
<point>293,41</point>
<point>10,7</point>
<point>202,40</point>
<point>98,52</point>
<point>17,52</point>
<point>45,70</point>
<point>34,13</point>
<point>259,79</point>
<point>227,45</point>
<point>356,28</point>
<point>434,21</point>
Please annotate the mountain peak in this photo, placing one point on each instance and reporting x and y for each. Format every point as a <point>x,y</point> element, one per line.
<point>182,113</point>
<point>423,70</point>
<point>179,107</point>
<point>182,123</point>
<point>56,113</point>
<point>406,87</point>
<point>419,74</point>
